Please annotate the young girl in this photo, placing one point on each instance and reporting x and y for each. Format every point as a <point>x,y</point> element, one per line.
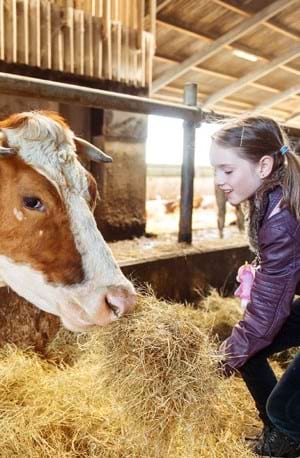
<point>254,162</point>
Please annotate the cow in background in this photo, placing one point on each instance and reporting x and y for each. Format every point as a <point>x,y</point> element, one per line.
<point>51,251</point>
<point>221,204</point>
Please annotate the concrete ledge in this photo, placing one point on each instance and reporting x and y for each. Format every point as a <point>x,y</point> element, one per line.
<point>182,278</point>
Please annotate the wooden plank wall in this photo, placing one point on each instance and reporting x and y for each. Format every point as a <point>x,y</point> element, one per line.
<point>104,39</point>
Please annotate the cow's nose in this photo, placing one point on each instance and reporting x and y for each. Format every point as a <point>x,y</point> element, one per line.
<point>120,299</point>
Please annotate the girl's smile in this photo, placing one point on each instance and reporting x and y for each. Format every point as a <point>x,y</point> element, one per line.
<point>239,178</point>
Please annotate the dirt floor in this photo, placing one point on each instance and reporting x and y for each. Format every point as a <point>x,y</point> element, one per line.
<point>162,227</point>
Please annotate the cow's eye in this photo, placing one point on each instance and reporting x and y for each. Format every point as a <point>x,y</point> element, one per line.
<point>33,203</point>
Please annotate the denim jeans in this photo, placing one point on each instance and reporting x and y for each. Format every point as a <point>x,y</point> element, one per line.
<point>278,403</point>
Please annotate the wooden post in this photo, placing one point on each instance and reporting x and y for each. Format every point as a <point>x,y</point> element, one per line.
<point>188,168</point>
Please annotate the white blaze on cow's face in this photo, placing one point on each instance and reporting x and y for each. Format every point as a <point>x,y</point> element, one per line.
<point>51,251</point>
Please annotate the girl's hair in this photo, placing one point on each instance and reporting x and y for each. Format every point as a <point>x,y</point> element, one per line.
<point>255,137</point>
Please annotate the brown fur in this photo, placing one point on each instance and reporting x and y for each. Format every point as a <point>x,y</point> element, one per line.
<point>51,251</point>
<point>18,119</point>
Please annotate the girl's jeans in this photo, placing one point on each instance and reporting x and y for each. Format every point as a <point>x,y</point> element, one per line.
<point>278,403</point>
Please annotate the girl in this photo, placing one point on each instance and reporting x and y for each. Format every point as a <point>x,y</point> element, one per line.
<point>254,162</point>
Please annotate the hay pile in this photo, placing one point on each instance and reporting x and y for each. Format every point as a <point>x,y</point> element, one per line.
<point>220,314</point>
<point>144,387</point>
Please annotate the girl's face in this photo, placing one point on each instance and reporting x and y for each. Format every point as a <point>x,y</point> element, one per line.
<point>237,177</point>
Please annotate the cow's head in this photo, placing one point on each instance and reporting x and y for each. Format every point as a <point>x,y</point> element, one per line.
<point>51,251</point>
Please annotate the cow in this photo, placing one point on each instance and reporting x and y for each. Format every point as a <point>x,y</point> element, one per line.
<point>51,251</point>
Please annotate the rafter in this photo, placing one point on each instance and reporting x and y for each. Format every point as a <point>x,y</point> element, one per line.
<point>237,31</point>
<point>210,38</point>
<point>219,75</point>
<point>231,105</point>
<point>271,24</point>
<point>277,98</point>
<point>252,76</point>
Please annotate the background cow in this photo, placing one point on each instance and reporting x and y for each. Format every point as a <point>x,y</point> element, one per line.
<point>221,204</point>
<point>51,252</point>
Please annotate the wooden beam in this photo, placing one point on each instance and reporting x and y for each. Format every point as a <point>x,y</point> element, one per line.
<point>210,38</point>
<point>210,50</point>
<point>277,98</point>
<point>20,85</point>
<point>251,76</point>
<point>216,74</point>
<point>175,94</point>
<point>273,25</point>
<point>162,5</point>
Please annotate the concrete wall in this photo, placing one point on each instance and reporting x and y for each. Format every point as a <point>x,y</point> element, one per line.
<point>122,184</point>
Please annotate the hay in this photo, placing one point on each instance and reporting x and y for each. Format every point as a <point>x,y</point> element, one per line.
<point>220,314</point>
<point>146,386</point>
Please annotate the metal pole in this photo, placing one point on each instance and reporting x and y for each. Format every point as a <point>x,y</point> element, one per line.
<point>188,168</point>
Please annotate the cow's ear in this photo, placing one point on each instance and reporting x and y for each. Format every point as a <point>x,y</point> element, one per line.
<point>5,150</point>
<point>91,151</point>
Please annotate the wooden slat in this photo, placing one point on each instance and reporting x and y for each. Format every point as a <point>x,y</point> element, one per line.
<point>69,39</point>
<point>153,12</point>
<point>35,33</point>
<point>99,8</point>
<point>88,45</point>
<point>116,49</point>
<point>143,60</point>
<point>149,49</point>
<point>8,21</point>
<point>245,26</point>
<point>79,41</point>
<point>97,46</point>
<point>46,54</point>
<point>22,32</point>
<point>2,30</point>
<point>140,23</point>
<point>57,38</point>
<point>107,69</point>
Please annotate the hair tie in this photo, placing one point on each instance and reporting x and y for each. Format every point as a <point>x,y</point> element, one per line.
<point>284,149</point>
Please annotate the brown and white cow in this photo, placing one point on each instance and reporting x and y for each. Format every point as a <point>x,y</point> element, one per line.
<point>51,251</point>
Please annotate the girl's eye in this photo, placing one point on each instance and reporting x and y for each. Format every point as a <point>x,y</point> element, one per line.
<point>228,172</point>
<point>33,203</point>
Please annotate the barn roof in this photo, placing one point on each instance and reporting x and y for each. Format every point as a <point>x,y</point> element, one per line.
<point>244,55</point>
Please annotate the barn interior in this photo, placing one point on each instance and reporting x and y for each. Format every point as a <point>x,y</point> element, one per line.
<point>107,66</point>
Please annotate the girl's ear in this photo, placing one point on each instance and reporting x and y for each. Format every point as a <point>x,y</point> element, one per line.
<point>265,166</point>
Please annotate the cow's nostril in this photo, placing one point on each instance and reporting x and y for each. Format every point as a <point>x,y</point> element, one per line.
<point>113,307</point>
<point>120,300</point>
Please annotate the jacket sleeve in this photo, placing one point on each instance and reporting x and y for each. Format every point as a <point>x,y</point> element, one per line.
<point>270,303</point>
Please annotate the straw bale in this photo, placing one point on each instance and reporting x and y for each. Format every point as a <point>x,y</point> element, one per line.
<point>145,386</point>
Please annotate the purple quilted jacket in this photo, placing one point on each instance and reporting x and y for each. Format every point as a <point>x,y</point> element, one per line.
<point>273,288</point>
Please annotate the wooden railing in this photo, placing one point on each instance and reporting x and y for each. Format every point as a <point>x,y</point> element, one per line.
<point>104,39</point>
